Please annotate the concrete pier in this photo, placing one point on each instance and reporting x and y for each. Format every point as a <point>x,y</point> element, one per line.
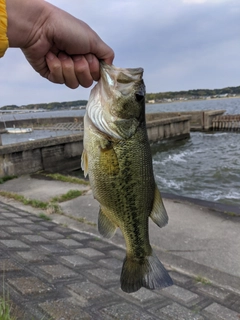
<point>168,128</point>
<point>199,120</point>
<point>226,123</point>
<point>64,153</point>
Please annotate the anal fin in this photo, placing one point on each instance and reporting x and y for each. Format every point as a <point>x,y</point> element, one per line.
<point>159,213</point>
<point>105,226</point>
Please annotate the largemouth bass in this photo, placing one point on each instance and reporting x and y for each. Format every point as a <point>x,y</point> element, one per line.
<point>117,158</point>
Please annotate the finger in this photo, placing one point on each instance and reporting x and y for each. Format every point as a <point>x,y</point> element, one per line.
<point>108,58</point>
<point>103,52</point>
<point>55,68</point>
<point>94,67</point>
<point>82,71</point>
<point>68,71</point>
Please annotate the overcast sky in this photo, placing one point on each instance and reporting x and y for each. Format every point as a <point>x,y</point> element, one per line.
<point>181,44</point>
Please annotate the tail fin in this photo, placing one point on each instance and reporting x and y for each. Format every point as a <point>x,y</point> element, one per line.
<point>149,273</point>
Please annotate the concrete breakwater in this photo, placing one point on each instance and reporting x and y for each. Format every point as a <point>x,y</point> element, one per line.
<point>52,154</point>
<point>38,122</point>
<point>226,122</point>
<point>64,153</point>
<point>199,120</point>
<point>168,128</point>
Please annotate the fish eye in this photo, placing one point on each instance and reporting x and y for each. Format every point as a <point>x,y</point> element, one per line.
<point>139,97</point>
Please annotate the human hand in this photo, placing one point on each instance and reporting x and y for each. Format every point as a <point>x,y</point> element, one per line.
<point>59,47</point>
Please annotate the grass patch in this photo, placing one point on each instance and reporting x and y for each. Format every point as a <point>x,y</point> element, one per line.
<point>202,280</point>
<point>44,216</point>
<point>32,202</point>
<point>61,177</point>
<point>7,311</point>
<point>36,203</point>
<point>230,214</point>
<point>83,220</point>
<point>71,194</point>
<point>53,207</point>
<point>5,308</point>
<point>4,179</point>
<point>50,206</point>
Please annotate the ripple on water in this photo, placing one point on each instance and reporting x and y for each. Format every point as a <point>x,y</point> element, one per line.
<point>207,166</point>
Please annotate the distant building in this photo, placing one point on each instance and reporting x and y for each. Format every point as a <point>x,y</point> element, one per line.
<point>222,95</point>
<point>151,101</point>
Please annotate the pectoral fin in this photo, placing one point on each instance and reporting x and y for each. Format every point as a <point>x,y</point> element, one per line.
<point>105,226</point>
<point>159,214</point>
<point>108,161</point>
<point>84,163</point>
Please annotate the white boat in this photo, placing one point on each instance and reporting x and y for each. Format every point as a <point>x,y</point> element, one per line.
<point>19,130</point>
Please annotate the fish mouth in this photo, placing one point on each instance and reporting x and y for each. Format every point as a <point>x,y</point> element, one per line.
<point>120,82</point>
<point>118,75</point>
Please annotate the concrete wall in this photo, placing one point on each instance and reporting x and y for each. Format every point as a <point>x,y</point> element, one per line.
<point>64,153</point>
<point>196,120</point>
<point>169,128</point>
<point>53,155</point>
<point>37,122</point>
<point>200,120</point>
<point>209,116</point>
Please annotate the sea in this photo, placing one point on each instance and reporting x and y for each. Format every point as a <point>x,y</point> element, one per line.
<point>206,166</point>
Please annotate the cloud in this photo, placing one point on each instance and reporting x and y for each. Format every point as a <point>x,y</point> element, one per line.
<point>180,45</point>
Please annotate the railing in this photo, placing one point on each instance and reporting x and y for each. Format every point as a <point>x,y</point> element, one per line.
<point>227,123</point>
<point>63,126</point>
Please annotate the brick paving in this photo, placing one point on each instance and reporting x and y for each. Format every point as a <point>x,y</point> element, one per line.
<point>53,272</point>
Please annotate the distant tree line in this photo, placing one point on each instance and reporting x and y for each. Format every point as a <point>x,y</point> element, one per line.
<point>192,93</point>
<point>149,96</point>
<point>49,106</point>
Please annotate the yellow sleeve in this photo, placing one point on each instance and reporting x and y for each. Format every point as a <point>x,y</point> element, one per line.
<point>3,28</point>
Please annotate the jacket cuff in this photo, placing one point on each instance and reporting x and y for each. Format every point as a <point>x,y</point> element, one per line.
<point>3,28</point>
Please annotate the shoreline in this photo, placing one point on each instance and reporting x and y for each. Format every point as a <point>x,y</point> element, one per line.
<point>233,210</point>
<point>190,100</point>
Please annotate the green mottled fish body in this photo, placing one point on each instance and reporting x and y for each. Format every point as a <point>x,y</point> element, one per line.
<point>117,158</point>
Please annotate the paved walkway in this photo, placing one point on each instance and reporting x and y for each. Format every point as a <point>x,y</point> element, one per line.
<point>52,271</point>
